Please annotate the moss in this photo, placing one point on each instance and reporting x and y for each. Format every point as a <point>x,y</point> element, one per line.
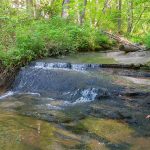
<point>60,116</point>
<point>111,130</point>
<point>146,66</point>
<point>140,143</point>
<point>77,128</point>
<point>19,132</point>
<point>7,104</point>
<point>96,145</point>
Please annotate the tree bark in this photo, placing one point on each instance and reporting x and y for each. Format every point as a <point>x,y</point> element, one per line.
<point>37,9</point>
<point>130,16</point>
<point>82,13</point>
<point>29,7</point>
<point>106,5</point>
<point>119,8</point>
<point>65,9</point>
<point>126,45</point>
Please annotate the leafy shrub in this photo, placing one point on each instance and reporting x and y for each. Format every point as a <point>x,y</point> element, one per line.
<point>136,39</point>
<point>147,40</point>
<point>42,38</point>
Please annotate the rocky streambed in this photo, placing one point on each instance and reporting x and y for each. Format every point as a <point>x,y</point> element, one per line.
<point>75,103</point>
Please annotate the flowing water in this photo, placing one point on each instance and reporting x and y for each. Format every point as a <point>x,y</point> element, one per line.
<point>71,103</point>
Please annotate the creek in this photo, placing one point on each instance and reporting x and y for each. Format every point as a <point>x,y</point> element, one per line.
<point>72,103</point>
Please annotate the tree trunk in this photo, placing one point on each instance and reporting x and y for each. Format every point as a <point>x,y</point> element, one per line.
<point>65,8</point>
<point>119,8</point>
<point>130,16</point>
<point>29,7</point>
<point>96,12</point>
<point>106,5</point>
<point>37,11</point>
<point>82,13</point>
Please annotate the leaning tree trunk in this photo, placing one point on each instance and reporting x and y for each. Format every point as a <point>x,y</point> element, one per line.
<point>65,9</point>
<point>125,45</point>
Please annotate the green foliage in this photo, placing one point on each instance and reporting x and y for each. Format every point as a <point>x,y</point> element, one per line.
<point>136,39</point>
<point>147,40</point>
<point>32,30</point>
<point>23,42</point>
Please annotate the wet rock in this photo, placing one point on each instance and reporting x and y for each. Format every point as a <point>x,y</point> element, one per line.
<point>134,94</point>
<point>124,114</point>
<point>97,145</point>
<point>111,130</point>
<point>91,94</point>
<point>22,133</point>
<point>132,121</point>
<point>103,93</point>
<point>10,105</point>
<point>77,128</point>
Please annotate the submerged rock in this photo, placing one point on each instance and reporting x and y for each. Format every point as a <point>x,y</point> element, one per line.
<point>26,133</point>
<point>113,131</point>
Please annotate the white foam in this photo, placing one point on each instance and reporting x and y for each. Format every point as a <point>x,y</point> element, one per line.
<point>39,64</point>
<point>30,93</point>
<point>88,95</point>
<point>62,66</point>
<point>9,93</point>
<point>77,67</point>
<point>53,107</point>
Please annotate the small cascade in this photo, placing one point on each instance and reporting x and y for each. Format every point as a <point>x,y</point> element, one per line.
<point>92,94</point>
<point>65,65</point>
<point>62,81</point>
<point>53,80</point>
<point>80,66</point>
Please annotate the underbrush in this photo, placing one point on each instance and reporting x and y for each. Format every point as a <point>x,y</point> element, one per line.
<point>147,40</point>
<point>23,41</point>
<point>141,39</point>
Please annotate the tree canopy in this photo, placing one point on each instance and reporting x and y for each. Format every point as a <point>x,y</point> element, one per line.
<point>123,16</point>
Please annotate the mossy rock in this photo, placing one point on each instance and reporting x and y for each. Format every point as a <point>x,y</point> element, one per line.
<point>111,130</point>
<point>77,128</point>
<point>22,133</point>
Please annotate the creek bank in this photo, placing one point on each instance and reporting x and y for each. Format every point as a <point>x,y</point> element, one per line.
<point>7,77</point>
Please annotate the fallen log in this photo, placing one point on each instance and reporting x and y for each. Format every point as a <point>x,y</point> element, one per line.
<point>128,48</point>
<point>125,45</point>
